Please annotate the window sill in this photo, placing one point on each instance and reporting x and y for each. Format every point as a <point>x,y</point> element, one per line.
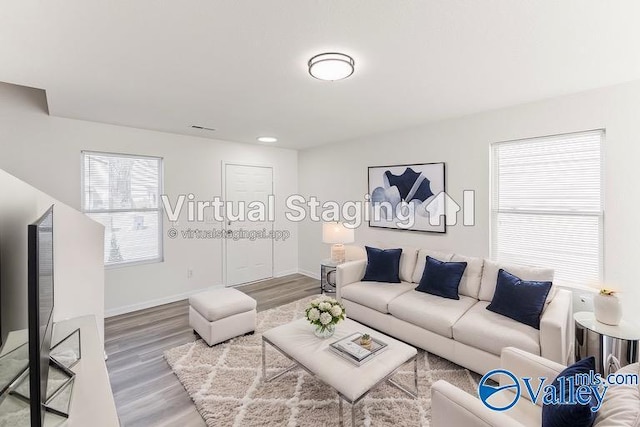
<point>133,263</point>
<point>579,288</point>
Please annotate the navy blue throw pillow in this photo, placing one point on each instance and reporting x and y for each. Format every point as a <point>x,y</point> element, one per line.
<point>521,300</point>
<point>441,278</point>
<point>575,414</point>
<point>383,265</point>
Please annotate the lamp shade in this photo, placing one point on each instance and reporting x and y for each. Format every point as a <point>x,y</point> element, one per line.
<point>336,232</point>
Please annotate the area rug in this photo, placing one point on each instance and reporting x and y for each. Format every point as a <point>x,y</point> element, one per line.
<point>225,384</point>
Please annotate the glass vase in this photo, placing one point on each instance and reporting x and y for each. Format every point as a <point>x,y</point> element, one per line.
<point>325,332</point>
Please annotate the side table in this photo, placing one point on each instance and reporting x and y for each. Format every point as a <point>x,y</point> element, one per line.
<point>612,346</point>
<point>328,276</point>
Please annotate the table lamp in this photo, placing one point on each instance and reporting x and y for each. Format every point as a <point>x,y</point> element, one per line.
<point>337,234</point>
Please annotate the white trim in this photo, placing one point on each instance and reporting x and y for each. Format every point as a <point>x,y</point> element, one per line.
<point>111,154</point>
<point>285,273</point>
<point>313,275</point>
<point>156,302</point>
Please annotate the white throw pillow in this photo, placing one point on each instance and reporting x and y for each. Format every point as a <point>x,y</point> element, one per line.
<point>621,405</point>
<point>470,282</point>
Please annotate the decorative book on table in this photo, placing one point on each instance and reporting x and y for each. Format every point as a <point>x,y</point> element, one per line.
<point>349,348</point>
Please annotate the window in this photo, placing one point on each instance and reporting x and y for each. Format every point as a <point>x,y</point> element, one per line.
<point>122,192</point>
<point>547,205</point>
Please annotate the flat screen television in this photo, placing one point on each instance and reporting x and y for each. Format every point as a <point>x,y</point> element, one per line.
<point>40,307</point>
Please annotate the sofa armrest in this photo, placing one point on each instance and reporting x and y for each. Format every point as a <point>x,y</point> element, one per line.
<point>526,365</point>
<point>349,272</point>
<point>452,407</point>
<point>556,328</point>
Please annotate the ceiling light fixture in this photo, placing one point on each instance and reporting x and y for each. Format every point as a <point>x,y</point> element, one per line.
<point>267,139</point>
<point>331,66</point>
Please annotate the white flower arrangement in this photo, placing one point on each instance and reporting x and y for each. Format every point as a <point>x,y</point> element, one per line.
<point>324,312</point>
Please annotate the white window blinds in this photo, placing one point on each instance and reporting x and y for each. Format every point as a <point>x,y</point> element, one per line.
<point>122,192</point>
<point>547,205</point>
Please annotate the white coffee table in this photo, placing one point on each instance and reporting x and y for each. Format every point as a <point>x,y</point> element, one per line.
<point>297,342</point>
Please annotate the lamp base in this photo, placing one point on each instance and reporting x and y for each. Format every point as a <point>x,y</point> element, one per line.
<point>338,253</point>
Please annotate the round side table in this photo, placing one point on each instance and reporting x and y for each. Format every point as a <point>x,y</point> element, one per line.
<point>612,346</point>
<point>328,276</point>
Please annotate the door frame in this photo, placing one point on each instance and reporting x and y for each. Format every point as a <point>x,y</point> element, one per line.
<point>226,163</point>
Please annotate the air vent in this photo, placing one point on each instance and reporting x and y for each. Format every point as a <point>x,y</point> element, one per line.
<point>202,128</point>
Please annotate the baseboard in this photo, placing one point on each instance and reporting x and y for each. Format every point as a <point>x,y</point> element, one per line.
<point>173,298</point>
<point>312,274</point>
<point>154,303</point>
<point>285,273</point>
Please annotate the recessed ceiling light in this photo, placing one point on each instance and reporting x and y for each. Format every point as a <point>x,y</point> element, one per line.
<point>331,66</point>
<point>267,139</point>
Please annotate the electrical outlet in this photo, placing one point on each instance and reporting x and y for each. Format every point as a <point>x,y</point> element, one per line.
<point>189,273</point>
<point>583,302</point>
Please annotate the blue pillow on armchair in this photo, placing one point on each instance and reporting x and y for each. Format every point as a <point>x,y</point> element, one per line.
<point>520,300</point>
<point>442,278</point>
<point>383,265</point>
<point>576,414</point>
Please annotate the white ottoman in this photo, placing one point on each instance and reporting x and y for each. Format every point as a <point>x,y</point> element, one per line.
<point>222,314</point>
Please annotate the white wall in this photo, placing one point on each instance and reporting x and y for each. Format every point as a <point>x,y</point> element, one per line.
<point>45,152</point>
<point>339,172</point>
<point>78,256</point>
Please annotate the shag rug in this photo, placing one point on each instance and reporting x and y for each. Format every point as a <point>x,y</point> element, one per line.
<point>224,382</point>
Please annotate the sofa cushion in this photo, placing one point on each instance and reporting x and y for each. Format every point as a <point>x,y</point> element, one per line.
<point>375,295</point>
<point>470,283</point>
<point>430,312</point>
<point>491,332</point>
<point>490,277</point>
<point>520,300</point>
<point>422,261</point>
<point>442,278</point>
<point>621,404</point>
<point>577,414</point>
<point>383,265</point>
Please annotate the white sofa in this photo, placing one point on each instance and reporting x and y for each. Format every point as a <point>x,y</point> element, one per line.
<point>462,331</point>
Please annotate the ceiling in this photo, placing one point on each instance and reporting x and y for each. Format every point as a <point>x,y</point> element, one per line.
<point>240,66</point>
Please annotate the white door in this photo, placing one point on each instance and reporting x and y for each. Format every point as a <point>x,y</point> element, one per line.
<point>247,259</point>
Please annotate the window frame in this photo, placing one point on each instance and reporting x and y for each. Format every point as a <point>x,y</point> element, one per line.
<point>159,210</point>
<point>599,215</point>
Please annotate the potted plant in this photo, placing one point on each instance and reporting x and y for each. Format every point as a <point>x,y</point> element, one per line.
<point>324,314</point>
<point>365,341</point>
<point>607,307</point>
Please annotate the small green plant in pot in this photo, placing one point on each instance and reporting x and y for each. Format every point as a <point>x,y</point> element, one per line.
<point>365,341</point>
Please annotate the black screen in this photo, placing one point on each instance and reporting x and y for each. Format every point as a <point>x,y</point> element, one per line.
<point>40,311</point>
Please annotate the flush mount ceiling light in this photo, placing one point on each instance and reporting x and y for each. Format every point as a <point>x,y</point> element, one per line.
<point>267,139</point>
<point>331,66</point>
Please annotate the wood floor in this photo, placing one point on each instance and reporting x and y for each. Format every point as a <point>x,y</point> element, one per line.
<point>146,391</point>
